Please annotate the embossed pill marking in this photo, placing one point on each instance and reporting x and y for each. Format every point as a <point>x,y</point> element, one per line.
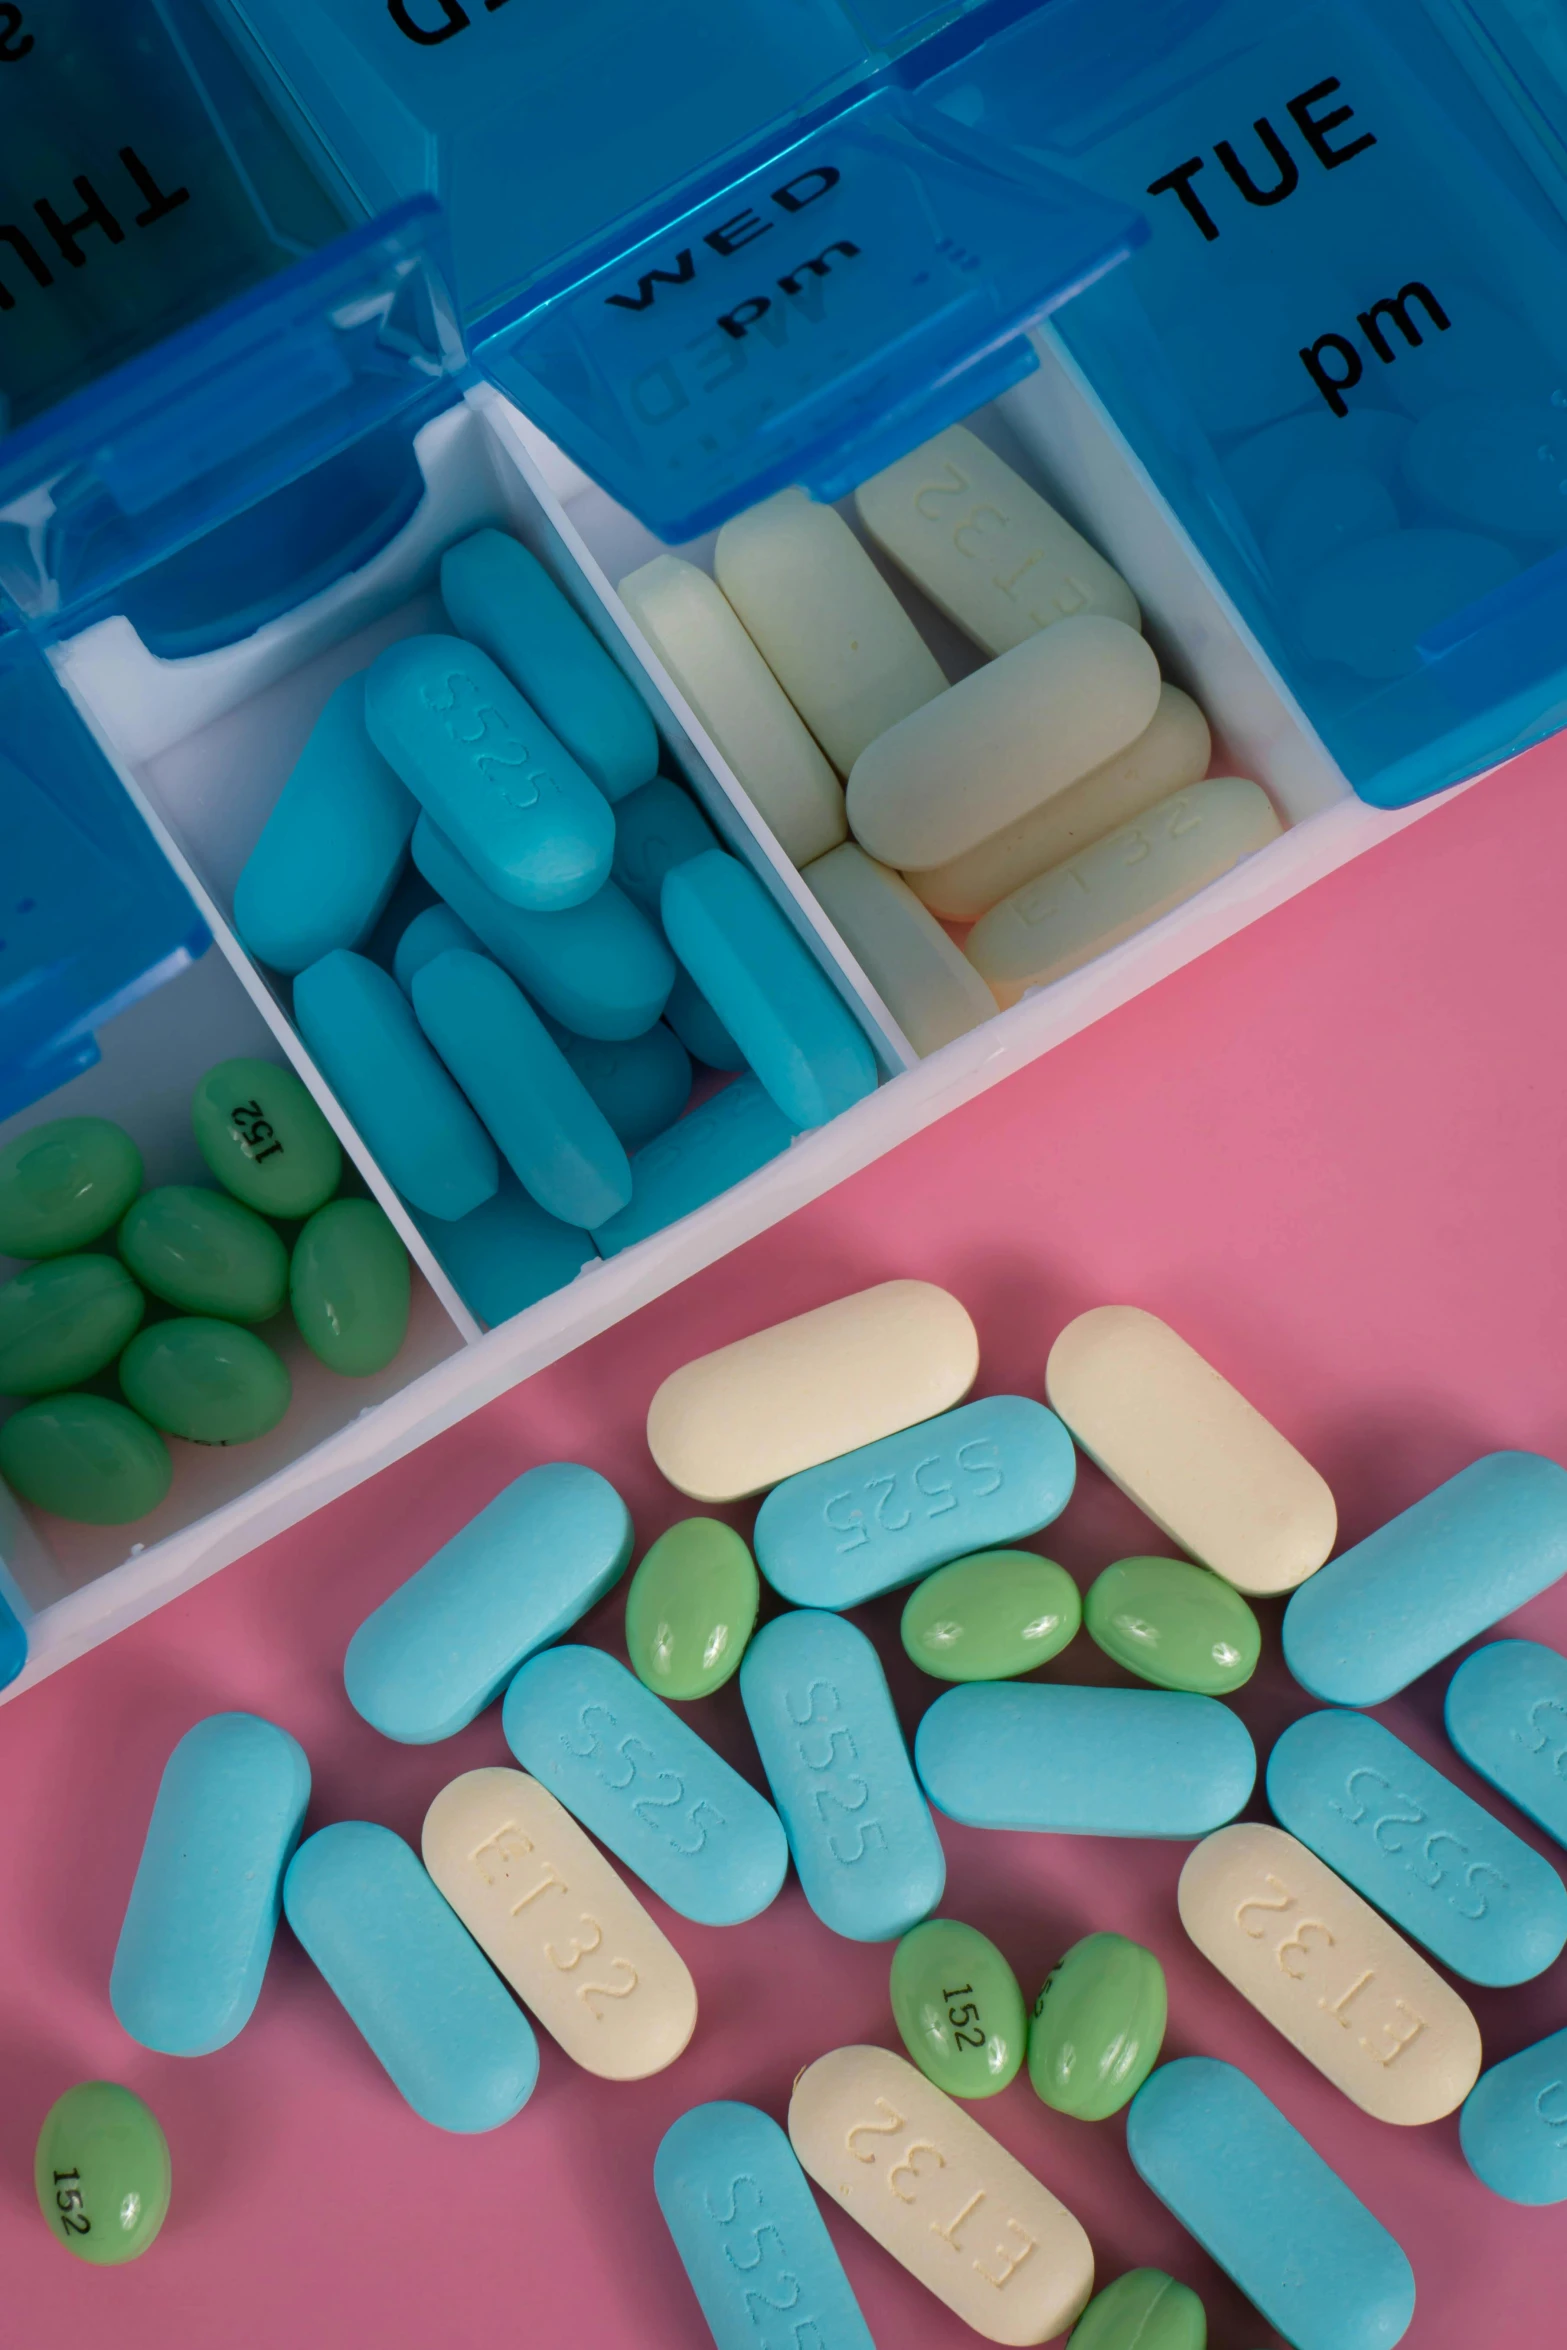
<point>1513,2128</point>
<point>1506,1712</point>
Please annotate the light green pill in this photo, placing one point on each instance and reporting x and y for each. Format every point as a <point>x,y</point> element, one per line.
<point>62,1320</point>
<point>207,1381</point>
<point>349,1285</point>
<point>1142,2310</point>
<point>691,1608</point>
<point>957,2004</point>
<point>1173,1623</point>
<point>63,1184</point>
<point>85,1457</point>
<point>1097,2027</point>
<point>203,1252</point>
<point>261,1131</point>
<point>988,1617</point>
<point>102,2173</point>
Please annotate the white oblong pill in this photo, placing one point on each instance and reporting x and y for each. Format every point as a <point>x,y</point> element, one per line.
<point>926,982</point>
<point>1172,751</point>
<point>1188,1448</point>
<point>938,2193</point>
<point>995,745</point>
<point>986,548</point>
<point>803,1391</point>
<point>1330,1974</point>
<point>825,621</point>
<point>567,1933</point>
<point>698,637</point>
<point>1117,886</point>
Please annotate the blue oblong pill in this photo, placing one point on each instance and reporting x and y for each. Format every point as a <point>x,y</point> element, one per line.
<point>641,1084</point>
<point>1084,1762</point>
<point>434,932</point>
<point>453,2039</point>
<point>646,1785</point>
<point>699,1028</point>
<point>537,1557</point>
<point>1376,1617</point>
<point>722,1140</point>
<point>975,1478</point>
<point>860,1832</point>
<point>1513,2124</point>
<point>748,2231</point>
<point>1506,1713</point>
<point>1259,2197</point>
<point>507,1254</point>
<point>204,1905</point>
<point>656,829</point>
<point>1478,1897</point>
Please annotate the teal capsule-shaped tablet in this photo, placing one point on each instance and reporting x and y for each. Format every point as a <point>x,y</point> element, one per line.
<point>501,598</point>
<point>1506,1713</point>
<point>656,829</point>
<point>332,847</point>
<point>62,1320</point>
<point>600,969</point>
<point>485,767</point>
<point>971,1479</point>
<point>699,1028</point>
<point>641,1085</point>
<point>642,1781</point>
<point>801,1040</point>
<point>724,1139</point>
<point>410,1975</point>
<point>375,1056</point>
<point>507,1254</point>
<point>1513,2126</point>
<point>209,1886</point>
<point>434,932</point>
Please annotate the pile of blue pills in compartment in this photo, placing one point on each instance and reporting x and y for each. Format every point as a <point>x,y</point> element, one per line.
<point>878,1470</point>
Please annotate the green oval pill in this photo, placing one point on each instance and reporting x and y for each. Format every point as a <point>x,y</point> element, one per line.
<point>203,1252</point>
<point>1097,2027</point>
<point>62,1320</point>
<point>691,1608</point>
<point>1178,1625</point>
<point>87,1458</point>
<point>63,1184</point>
<point>102,2173</point>
<point>957,2004</point>
<point>207,1381</point>
<point>265,1137</point>
<point>350,1287</point>
<point>988,1617</point>
<point>1142,2310</point>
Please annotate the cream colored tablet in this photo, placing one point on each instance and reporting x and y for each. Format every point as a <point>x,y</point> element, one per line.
<point>551,1915</point>
<point>1330,1974</point>
<point>712,661</point>
<point>929,985</point>
<point>825,621</point>
<point>1192,1453</point>
<point>939,2194</point>
<point>804,1391</point>
<point>1171,752</point>
<point>986,549</point>
<point>1110,891</point>
<point>991,748</point>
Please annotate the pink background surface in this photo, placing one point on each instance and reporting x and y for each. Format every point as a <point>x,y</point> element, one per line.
<point>1332,1154</point>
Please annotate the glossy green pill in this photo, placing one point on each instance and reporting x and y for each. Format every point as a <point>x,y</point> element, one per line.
<point>62,1320</point>
<point>102,2173</point>
<point>957,2004</point>
<point>63,1184</point>
<point>349,1285</point>
<point>87,1458</point>
<point>203,1252</point>
<point>265,1137</point>
<point>691,1608</point>
<point>1142,2310</point>
<point>1097,2027</point>
<point>988,1617</point>
<point>1175,1624</point>
<point>207,1381</point>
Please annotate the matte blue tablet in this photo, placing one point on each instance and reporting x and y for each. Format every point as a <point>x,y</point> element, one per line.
<point>724,1139</point>
<point>798,1036</point>
<point>699,1028</point>
<point>971,1479</point>
<point>746,2226</point>
<point>1507,1715</point>
<point>1513,2126</point>
<point>1478,1897</point>
<point>550,1131</point>
<point>1084,1762</point>
<point>641,1085</point>
<point>434,932</point>
<point>204,1905</point>
<point>1378,1616</point>
<point>13,1643</point>
<point>638,1776</point>
<point>656,829</point>
<point>507,1254</point>
<point>860,1832</point>
<point>412,1978</point>
<point>537,1557</point>
<point>1260,2199</point>
<point>375,1056</point>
